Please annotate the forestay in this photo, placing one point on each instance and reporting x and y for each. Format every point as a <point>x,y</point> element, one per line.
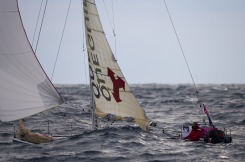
<point>24,87</point>
<point>111,92</point>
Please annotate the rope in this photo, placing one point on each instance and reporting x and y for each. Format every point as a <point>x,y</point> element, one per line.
<point>182,50</point>
<point>200,103</point>
<point>41,26</point>
<point>112,24</point>
<point>37,23</point>
<point>114,32</point>
<point>113,15</point>
<point>61,39</point>
<point>109,16</point>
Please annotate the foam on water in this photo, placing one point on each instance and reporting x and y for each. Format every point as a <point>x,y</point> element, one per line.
<point>169,105</point>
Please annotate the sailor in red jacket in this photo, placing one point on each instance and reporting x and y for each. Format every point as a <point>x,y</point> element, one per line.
<point>195,134</point>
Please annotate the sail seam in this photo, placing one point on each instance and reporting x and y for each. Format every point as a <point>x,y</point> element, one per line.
<point>17,85</point>
<point>23,76</point>
<point>51,97</point>
<point>21,67</point>
<point>7,90</point>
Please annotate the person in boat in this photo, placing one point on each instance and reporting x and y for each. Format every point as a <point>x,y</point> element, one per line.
<point>25,134</point>
<point>209,134</point>
<point>195,134</point>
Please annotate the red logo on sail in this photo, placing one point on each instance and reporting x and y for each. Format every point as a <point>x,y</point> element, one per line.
<point>117,84</point>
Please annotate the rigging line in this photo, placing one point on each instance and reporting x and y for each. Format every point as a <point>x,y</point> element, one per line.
<point>182,49</point>
<point>111,23</point>
<point>41,25</point>
<point>113,15</point>
<point>37,23</point>
<point>108,17</point>
<point>61,39</point>
<point>114,32</point>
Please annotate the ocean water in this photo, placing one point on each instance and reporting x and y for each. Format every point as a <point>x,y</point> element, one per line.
<point>169,105</point>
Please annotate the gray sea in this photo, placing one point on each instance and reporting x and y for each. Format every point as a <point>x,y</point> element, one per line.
<point>169,105</point>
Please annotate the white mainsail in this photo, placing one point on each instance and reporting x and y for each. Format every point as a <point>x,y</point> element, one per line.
<point>111,92</point>
<point>25,89</point>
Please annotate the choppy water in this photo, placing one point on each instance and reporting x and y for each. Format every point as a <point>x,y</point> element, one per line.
<point>169,105</point>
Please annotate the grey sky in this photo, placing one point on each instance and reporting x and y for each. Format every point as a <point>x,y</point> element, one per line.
<point>212,34</point>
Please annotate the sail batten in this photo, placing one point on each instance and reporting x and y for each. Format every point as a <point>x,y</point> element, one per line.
<point>25,89</point>
<point>110,90</point>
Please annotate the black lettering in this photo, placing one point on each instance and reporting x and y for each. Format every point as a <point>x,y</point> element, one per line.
<point>95,59</point>
<point>107,96</point>
<point>95,90</point>
<point>86,24</point>
<point>86,12</point>
<point>85,3</point>
<point>88,56</point>
<point>91,42</point>
<point>98,73</point>
<point>91,73</point>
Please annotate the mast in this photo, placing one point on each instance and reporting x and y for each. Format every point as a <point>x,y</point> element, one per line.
<point>92,108</point>
<point>92,104</point>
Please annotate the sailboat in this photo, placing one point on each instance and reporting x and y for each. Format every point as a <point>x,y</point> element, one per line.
<point>110,92</point>
<point>27,90</point>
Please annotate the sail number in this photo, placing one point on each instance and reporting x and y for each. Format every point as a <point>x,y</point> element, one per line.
<point>98,89</point>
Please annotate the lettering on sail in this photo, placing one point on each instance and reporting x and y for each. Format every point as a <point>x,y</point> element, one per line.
<point>96,76</point>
